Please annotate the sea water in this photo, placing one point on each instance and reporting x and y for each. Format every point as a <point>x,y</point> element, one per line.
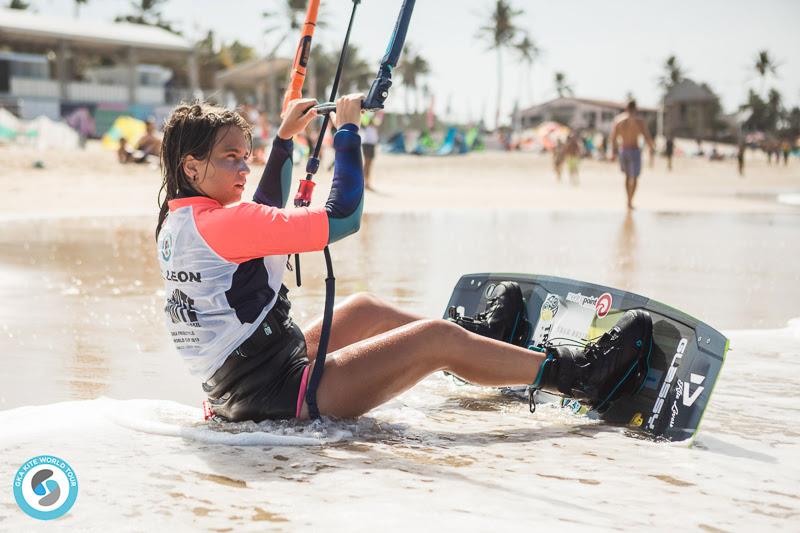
<point>89,376</point>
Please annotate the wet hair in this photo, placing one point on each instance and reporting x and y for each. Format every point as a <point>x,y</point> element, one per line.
<point>191,129</point>
<point>631,105</point>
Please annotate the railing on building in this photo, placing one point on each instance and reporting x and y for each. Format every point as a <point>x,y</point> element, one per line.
<point>79,91</point>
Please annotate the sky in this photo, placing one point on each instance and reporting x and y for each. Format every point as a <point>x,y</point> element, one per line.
<point>606,49</point>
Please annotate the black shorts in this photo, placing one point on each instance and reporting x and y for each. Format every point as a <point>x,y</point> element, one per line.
<point>265,377</point>
<point>369,151</point>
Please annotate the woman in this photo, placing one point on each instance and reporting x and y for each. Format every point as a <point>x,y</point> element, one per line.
<point>228,312</point>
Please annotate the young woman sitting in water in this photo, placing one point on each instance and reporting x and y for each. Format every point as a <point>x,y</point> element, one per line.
<point>228,312</point>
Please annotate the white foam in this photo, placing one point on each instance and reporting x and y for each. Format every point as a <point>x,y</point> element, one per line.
<point>789,198</point>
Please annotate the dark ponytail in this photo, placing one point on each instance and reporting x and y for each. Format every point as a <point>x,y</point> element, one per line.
<point>191,129</point>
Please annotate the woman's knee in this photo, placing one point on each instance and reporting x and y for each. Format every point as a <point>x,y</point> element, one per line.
<point>366,301</point>
<point>444,331</point>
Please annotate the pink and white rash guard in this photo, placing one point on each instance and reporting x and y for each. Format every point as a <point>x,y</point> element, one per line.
<point>222,269</point>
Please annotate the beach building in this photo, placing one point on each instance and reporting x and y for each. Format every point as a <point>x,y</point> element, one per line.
<point>259,81</point>
<point>692,110</point>
<point>580,113</point>
<point>54,66</point>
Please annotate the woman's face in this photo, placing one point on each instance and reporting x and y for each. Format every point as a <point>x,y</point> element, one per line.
<point>223,174</point>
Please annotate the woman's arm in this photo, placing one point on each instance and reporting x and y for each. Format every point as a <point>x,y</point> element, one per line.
<point>346,200</point>
<point>273,189</point>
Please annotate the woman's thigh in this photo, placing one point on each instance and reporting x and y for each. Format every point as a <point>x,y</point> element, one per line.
<point>359,317</point>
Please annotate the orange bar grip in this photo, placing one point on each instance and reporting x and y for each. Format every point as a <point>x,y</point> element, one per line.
<point>294,90</point>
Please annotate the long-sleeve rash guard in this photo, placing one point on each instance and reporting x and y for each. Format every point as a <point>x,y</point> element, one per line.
<point>346,200</point>
<point>222,267</point>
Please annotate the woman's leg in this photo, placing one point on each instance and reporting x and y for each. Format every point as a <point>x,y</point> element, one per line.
<point>357,318</point>
<point>361,376</point>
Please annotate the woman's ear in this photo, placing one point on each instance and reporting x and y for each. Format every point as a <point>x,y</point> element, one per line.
<point>191,167</point>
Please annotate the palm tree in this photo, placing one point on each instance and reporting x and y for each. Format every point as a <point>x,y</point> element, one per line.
<point>146,12</point>
<point>528,52</point>
<point>562,87</point>
<point>412,67</point>
<point>288,20</point>
<point>674,73</point>
<point>78,6</point>
<point>356,72</point>
<point>500,33</point>
<point>765,66</point>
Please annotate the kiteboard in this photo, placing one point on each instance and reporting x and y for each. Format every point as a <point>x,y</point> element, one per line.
<point>685,362</point>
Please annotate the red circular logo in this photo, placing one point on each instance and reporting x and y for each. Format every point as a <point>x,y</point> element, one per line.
<point>603,305</point>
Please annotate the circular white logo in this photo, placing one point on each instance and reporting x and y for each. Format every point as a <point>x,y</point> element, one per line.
<point>45,487</point>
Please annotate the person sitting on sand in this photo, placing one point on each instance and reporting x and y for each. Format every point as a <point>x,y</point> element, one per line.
<point>228,312</point>
<point>150,143</point>
<point>124,152</point>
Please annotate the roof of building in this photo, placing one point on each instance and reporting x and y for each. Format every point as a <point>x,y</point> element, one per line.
<point>252,72</point>
<point>609,104</point>
<point>689,91</point>
<point>26,27</point>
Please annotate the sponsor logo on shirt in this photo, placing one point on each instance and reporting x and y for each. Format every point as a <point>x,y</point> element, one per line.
<point>180,308</point>
<point>166,247</point>
<point>181,276</point>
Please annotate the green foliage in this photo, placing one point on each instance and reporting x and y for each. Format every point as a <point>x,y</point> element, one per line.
<point>766,114</point>
<point>527,49</point>
<point>146,12</point>
<point>501,29</point>
<point>500,32</point>
<point>674,73</point>
<point>19,4</point>
<point>563,88</point>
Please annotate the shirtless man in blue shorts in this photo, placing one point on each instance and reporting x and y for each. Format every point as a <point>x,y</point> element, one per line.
<point>629,126</point>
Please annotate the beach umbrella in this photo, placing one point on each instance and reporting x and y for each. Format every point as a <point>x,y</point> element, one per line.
<point>131,128</point>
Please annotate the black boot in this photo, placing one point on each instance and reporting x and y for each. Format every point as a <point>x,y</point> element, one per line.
<point>505,318</point>
<point>602,371</point>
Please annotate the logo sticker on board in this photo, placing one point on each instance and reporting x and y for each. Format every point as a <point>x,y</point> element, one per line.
<point>603,305</point>
<point>549,308</point>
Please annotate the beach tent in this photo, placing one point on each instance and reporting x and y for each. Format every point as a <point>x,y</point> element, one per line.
<point>474,139</point>
<point>44,134</point>
<point>453,143</point>
<point>425,144</point>
<point>395,144</point>
<point>9,126</point>
<point>131,128</point>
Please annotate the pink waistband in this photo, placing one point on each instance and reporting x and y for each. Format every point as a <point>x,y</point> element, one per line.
<point>302,394</point>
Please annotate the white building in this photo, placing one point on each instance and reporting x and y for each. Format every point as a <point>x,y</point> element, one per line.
<point>580,113</point>
<point>39,76</point>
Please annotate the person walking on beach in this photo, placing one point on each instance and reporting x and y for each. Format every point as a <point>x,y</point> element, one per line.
<point>558,158</point>
<point>370,139</point>
<point>572,154</point>
<point>669,151</point>
<point>629,126</point>
<point>740,158</point>
<point>228,312</point>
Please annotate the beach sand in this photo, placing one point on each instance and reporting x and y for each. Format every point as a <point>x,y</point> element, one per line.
<point>92,183</point>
